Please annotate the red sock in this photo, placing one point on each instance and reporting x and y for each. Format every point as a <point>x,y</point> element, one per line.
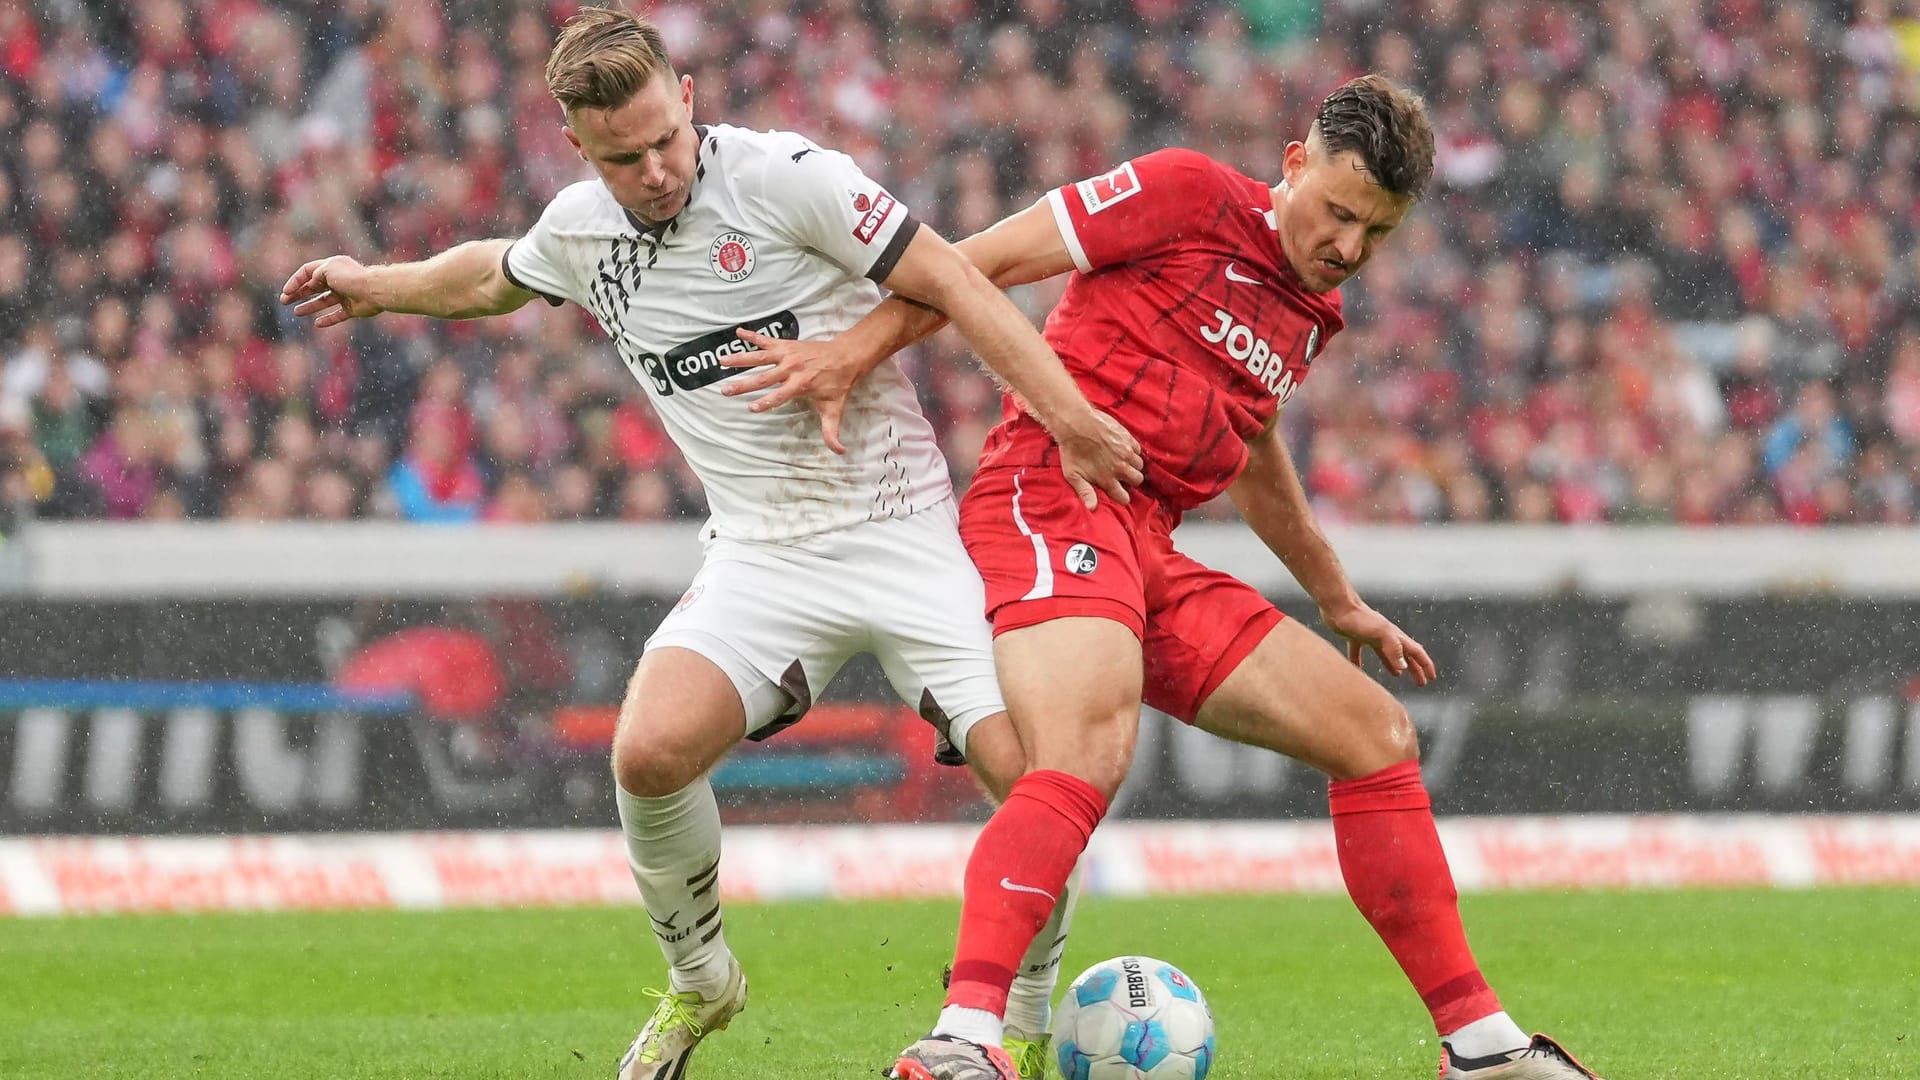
<point>1019,865</point>
<point>1397,875</point>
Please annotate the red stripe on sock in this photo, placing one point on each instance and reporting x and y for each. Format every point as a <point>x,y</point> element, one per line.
<point>1396,787</point>
<point>1397,875</point>
<point>1459,1002</point>
<point>1019,866</point>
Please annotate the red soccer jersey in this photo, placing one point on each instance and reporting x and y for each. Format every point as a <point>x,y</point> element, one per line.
<point>1185,321</point>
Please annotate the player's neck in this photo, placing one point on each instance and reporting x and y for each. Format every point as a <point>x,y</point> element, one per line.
<point>1277,205</point>
<point>1279,194</point>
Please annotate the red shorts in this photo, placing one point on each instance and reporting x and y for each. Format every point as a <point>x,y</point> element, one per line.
<point>1045,556</point>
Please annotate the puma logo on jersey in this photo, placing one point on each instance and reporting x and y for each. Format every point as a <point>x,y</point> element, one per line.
<point>1262,360</point>
<point>803,153</point>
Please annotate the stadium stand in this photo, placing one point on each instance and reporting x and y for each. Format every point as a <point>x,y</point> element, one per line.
<point>1670,272</point>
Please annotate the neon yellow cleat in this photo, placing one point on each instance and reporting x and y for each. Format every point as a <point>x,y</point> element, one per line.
<point>1029,1055</point>
<point>677,1025</point>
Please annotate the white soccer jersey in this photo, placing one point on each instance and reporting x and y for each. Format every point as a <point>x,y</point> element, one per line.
<point>780,236</point>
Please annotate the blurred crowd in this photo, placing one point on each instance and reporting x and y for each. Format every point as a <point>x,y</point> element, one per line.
<point>1668,271</point>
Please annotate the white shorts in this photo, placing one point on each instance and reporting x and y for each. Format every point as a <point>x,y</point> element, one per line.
<point>781,620</point>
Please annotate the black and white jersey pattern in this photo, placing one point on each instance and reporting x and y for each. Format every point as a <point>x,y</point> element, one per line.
<point>781,236</point>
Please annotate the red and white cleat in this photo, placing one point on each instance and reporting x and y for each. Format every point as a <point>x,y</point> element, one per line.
<point>943,1057</point>
<point>1543,1059</point>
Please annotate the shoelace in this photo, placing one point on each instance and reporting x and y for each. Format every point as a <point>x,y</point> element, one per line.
<point>674,1008</point>
<point>1031,1057</point>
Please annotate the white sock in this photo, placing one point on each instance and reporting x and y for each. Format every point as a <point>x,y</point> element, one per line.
<point>673,849</point>
<point>973,1025</point>
<point>1029,1000</point>
<point>1487,1036</point>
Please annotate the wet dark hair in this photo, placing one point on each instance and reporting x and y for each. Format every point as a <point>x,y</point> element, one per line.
<point>1386,127</point>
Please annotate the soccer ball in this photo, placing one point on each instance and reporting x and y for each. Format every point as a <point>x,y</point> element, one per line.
<point>1133,1018</point>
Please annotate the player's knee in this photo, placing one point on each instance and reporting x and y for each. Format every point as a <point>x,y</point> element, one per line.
<point>996,755</point>
<point>1107,772</point>
<point>1392,737</point>
<point>1398,737</point>
<point>1101,757</point>
<point>1385,738</point>
<point>649,769</point>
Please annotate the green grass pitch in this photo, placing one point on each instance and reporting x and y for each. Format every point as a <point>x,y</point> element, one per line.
<point>1700,986</point>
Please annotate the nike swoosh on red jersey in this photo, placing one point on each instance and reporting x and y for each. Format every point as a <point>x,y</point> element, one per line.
<point>1242,278</point>
<point>1013,886</point>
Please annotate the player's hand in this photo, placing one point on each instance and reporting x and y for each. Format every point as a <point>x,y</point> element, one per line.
<point>820,371</point>
<point>335,289</point>
<point>1365,628</point>
<point>1098,454</point>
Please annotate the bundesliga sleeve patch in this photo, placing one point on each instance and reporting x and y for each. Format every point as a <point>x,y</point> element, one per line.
<point>1103,191</point>
<point>873,211</point>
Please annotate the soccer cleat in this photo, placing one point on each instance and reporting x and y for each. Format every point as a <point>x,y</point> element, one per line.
<point>678,1024</point>
<point>943,1057</point>
<point>1543,1059</point>
<point>1029,1055</point>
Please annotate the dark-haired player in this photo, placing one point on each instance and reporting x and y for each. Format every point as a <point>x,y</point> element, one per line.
<point>1197,302</point>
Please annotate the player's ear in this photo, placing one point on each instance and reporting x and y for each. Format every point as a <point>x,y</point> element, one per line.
<point>573,140</point>
<point>1294,164</point>
<point>686,95</point>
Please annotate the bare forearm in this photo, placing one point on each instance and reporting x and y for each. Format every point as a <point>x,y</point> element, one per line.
<point>897,323</point>
<point>1017,251</point>
<point>1007,343</point>
<point>463,282</point>
<point>1274,504</point>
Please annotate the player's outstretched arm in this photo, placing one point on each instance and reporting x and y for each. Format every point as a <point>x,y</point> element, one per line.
<point>1019,249</point>
<point>1095,451</point>
<point>464,282</point>
<point>1274,504</point>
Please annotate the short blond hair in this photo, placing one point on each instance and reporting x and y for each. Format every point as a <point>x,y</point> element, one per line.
<point>604,56</point>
